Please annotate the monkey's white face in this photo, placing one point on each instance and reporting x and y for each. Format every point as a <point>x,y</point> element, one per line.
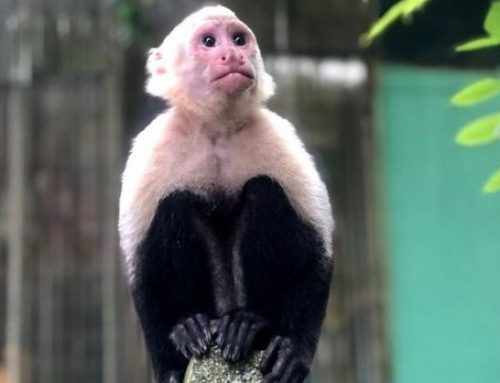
<point>222,55</point>
<point>207,63</point>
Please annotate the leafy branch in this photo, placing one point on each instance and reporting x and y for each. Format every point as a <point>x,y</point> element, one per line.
<point>485,129</point>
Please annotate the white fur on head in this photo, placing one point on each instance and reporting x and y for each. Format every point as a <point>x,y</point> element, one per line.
<point>164,61</point>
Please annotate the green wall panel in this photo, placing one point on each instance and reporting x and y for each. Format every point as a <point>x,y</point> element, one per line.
<point>442,233</point>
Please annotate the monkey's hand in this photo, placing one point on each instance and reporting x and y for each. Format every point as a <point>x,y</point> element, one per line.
<point>192,336</point>
<point>172,377</point>
<point>237,332</point>
<point>282,362</point>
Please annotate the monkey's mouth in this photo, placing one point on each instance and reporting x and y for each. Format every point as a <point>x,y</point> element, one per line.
<point>243,73</point>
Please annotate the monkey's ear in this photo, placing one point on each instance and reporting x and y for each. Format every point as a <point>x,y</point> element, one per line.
<point>157,82</point>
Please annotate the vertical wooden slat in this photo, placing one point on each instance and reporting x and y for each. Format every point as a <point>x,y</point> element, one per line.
<point>111,151</point>
<point>3,228</point>
<point>17,122</point>
<point>15,66</point>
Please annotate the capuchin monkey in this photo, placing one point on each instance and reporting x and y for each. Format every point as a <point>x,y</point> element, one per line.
<point>225,224</point>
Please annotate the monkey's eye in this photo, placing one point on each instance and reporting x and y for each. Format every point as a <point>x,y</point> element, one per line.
<point>208,41</point>
<point>239,39</point>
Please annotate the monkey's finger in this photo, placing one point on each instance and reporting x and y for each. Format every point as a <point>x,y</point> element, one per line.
<point>185,351</point>
<point>184,340</point>
<point>282,361</point>
<point>194,350</point>
<point>230,338</point>
<point>291,371</point>
<point>269,355</point>
<point>205,326</point>
<point>173,378</point>
<point>221,331</point>
<point>192,327</point>
<point>252,332</point>
<point>196,335</point>
<point>179,335</point>
<point>214,327</point>
<point>233,349</point>
<point>279,368</point>
<point>239,342</point>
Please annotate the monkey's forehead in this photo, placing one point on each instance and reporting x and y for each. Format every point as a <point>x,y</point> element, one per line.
<point>217,12</point>
<point>229,23</point>
<point>198,19</point>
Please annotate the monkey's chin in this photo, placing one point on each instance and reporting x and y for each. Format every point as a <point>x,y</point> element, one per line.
<point>234,84</point>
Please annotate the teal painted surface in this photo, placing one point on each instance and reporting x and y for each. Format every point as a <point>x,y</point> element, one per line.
<point>442,233</point>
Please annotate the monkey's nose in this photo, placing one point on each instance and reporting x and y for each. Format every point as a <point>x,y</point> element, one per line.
<point>231,56</point>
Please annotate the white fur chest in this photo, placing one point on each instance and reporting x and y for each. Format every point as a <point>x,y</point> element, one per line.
<point>201,162</point>
<point>206,160</point>
<point>165,159</point>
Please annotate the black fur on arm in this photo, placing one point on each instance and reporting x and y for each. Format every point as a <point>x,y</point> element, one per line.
<point>172,256</point>
<point>287,277</point>
<point>290,353</point>
<point>168,364</point>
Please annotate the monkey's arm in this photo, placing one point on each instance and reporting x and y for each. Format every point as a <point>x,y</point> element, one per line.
<point>171,288</point>
<point>291,351</point>
<point>168,364</point>
<point>286,273</point>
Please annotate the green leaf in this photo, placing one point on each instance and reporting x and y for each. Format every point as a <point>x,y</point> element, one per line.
<point>479,91</point>
<point>403,8</point>
<point>478,43</point>
<point>493,183</point>
<point>481,131</point>
<point>411,6</point>
<point>492,21</point>
<point>383,23</point>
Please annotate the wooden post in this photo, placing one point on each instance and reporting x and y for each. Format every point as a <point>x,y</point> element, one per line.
<point>18,121</point>
<point>111,268</point>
